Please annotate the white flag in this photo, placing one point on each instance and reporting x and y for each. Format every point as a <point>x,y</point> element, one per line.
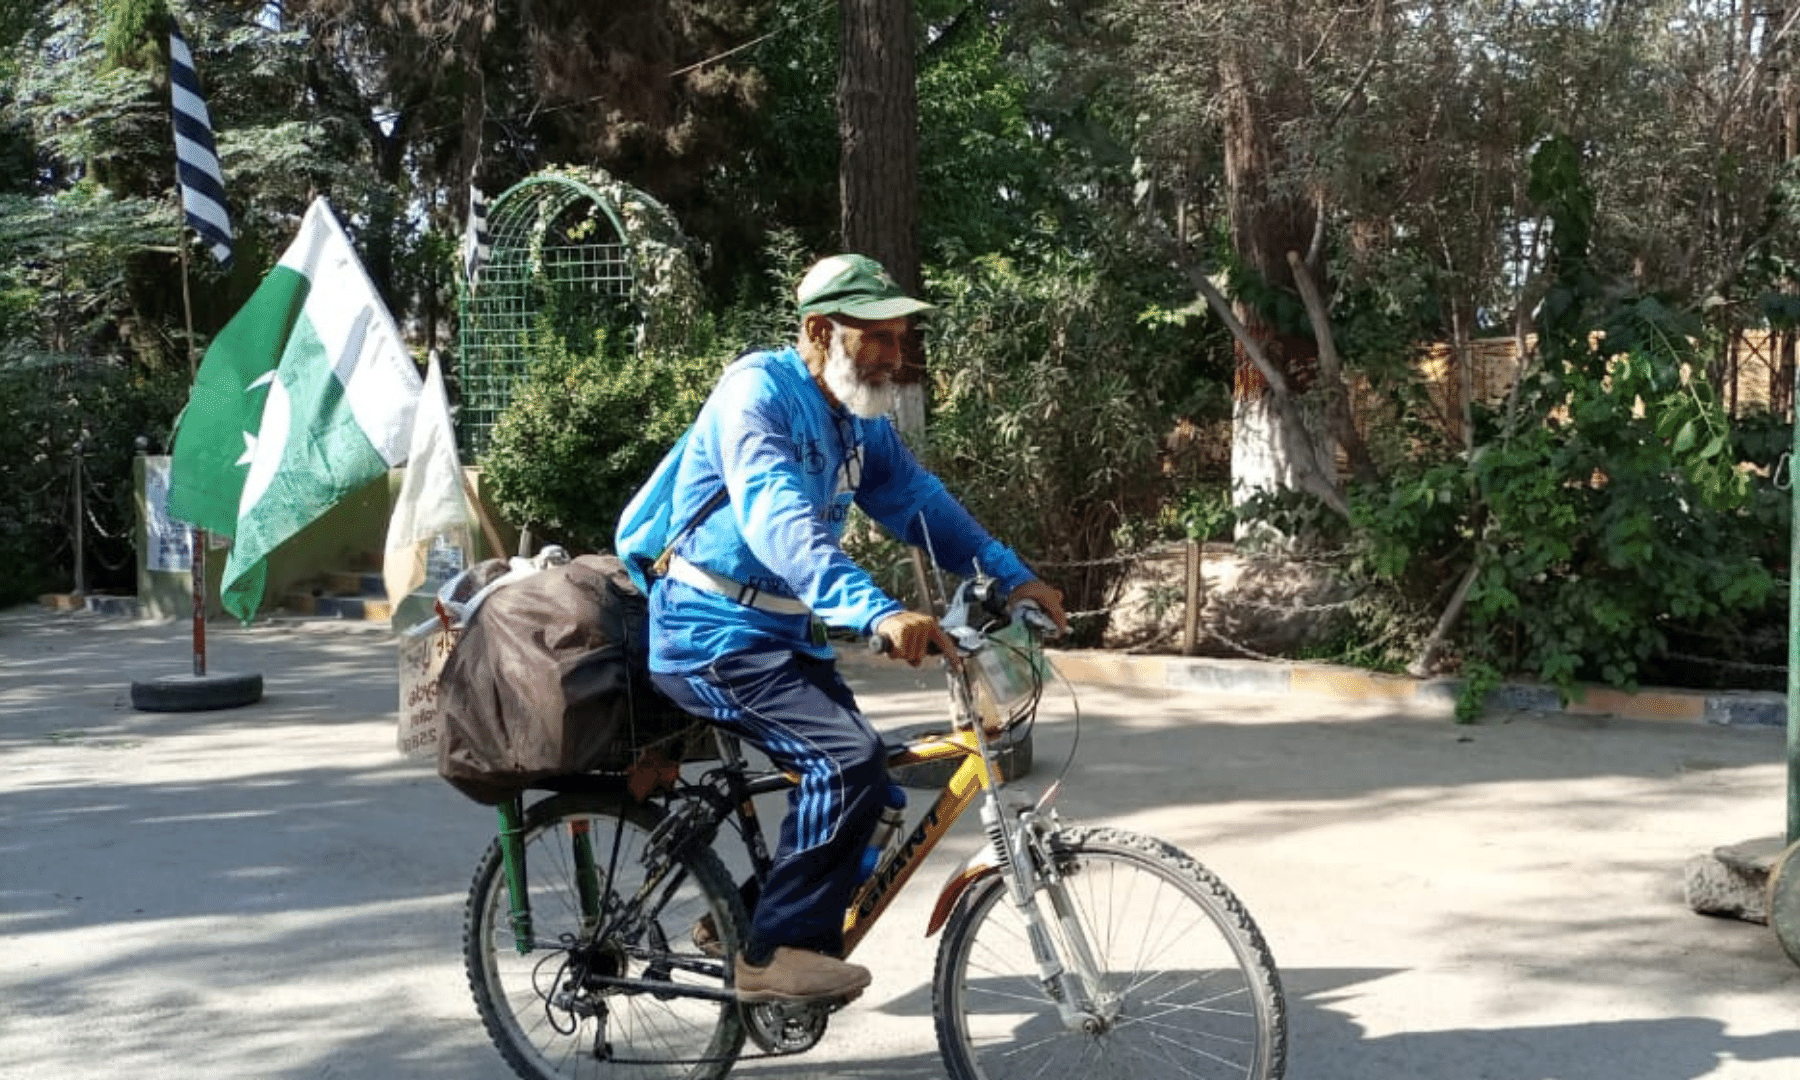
<point>431,502</point>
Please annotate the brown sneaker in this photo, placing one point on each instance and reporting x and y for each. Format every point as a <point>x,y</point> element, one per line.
<point>800,975</point>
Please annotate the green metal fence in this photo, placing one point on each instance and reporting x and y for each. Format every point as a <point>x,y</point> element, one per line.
<point>560,261</point>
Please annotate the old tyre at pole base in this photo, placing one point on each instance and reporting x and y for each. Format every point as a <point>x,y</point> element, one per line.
<point>1784,900</point>
<point>196,693</point>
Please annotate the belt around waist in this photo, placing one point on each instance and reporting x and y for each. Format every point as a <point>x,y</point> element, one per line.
<point>749,595</point>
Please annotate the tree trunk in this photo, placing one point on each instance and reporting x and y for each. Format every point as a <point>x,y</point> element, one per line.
<point>1340,421</point>
<point>1266,455</point>
<point>878,167</point>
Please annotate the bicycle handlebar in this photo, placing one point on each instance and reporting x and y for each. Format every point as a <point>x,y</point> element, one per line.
<point>1032,615</point>
<point>880,644</point>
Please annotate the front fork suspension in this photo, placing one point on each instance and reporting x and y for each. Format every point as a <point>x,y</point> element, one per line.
<point>1026,866</point>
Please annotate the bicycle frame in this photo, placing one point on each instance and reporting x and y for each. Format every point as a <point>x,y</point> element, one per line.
<point>1015,852</point>
<point>972,776</point>
<point>1014,844</point>
<point>977,774</point>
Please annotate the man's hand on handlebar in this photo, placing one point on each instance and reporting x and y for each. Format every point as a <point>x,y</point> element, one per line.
<point>909,634</point>
<point>1051,600</point>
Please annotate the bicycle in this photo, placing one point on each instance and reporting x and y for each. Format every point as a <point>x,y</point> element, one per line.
<point>600,931</point>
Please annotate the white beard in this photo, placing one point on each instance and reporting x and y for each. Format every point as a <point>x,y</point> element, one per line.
<point>867,400</point>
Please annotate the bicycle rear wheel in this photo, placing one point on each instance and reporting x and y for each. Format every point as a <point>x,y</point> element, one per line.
<point>544,1009</point>
<point>1187,985</point>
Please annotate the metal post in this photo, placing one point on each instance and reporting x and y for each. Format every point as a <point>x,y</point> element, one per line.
<point>1793,664</point>
<point>198,539</point>
<point>80,529</point>
<point>197,576</point>
<point>196,565</point>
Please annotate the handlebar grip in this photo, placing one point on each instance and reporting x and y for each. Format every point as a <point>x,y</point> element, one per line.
<point>881,645</point>
<point>1037,619</point>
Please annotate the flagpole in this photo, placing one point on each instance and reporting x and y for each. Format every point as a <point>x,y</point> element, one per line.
<point>197,536</point>
<point>200,204</point>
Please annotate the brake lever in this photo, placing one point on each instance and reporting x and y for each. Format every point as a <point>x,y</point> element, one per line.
<point>1032,614</point>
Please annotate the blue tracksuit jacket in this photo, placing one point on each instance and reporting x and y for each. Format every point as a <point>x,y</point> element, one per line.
<point>792,464</point>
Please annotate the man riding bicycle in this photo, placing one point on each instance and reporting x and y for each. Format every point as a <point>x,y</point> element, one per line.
<point>793,436</point>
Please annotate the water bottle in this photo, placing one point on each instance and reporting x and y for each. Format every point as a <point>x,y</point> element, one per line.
<point>887,830</point>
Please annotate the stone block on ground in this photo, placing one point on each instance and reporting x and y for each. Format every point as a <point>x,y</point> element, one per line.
<point>1732,881</point>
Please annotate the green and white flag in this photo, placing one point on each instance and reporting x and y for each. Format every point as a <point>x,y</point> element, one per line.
<point>317,349</point>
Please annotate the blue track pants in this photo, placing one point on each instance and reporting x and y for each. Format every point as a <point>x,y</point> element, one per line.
<point>798,711</point>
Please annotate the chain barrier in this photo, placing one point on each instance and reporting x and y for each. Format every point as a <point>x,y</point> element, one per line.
<point>92,553</point>
<point>1741,665</point>
<point>1172,553</point>
<point>33,496</point>
<point>88,494</point>
<point>1088,564</point>
<point>1245,649</point>
<point>1377,643</point>
<point>99,528</point>
<point>1738,640</point>
<point>1310,558</point>
<point>1283,609</point>
<point>1211,598</point>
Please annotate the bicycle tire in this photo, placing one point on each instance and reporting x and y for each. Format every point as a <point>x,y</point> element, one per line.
<point>1198,993</point>
<point>525,1001</point>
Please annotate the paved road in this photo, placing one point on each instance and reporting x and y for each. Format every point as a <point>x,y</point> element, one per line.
<point>273,893</point>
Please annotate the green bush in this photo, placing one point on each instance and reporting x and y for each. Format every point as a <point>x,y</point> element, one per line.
<point>1605,511</point>
<point>1053,388</point>
<point>584,431</point>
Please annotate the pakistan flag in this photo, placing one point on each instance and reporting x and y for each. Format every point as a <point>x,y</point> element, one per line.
<point>304,397</point>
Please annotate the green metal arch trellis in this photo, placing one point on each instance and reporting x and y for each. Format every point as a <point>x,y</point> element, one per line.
<point>574,237</point>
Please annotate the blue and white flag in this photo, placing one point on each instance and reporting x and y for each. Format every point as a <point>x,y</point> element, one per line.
<point>196,157</point>
<point>475,238</point>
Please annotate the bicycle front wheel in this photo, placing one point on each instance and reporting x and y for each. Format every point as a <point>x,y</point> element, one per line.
<point>1186,985</point>
<point>598,994</point>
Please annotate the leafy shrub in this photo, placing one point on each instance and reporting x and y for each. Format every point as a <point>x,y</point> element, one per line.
<point>1606,530</point>
<point>1605,511</point>
<point>1052,394</point>
<point>584,432</point>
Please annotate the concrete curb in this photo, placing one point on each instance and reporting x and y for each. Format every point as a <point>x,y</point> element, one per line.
<point>98,603</point>
<point>1735,708</point>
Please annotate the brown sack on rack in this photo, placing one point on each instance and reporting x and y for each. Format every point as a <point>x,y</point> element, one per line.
<point>549,677</point>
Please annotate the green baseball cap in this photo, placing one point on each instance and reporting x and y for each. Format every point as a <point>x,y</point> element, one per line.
<point>854,285</point>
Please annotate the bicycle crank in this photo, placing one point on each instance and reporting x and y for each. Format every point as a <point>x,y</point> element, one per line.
<point>785,1027</point>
